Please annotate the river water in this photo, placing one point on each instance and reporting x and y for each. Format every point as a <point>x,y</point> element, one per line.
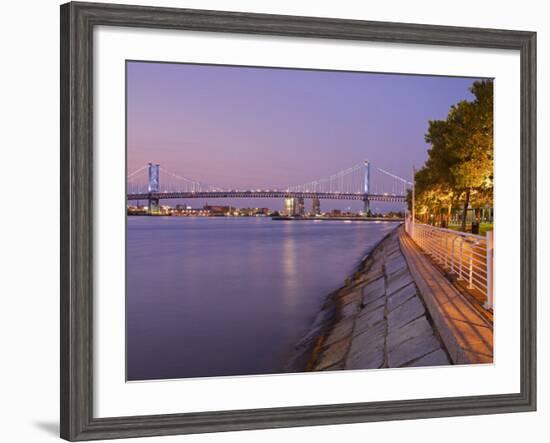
<point>230,296</point>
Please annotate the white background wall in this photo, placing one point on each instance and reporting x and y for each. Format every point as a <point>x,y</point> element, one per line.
<point>29,147</point>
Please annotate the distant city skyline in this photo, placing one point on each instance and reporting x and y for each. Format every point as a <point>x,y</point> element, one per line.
<point>240,127</point>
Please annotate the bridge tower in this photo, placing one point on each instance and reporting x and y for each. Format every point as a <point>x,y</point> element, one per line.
<point>366,189</point>
<point>153,187</point>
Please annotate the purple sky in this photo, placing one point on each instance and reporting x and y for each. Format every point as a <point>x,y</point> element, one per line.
<point>241,127</point>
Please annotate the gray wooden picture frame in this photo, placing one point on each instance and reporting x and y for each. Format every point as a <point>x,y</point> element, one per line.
<point>77,23</point>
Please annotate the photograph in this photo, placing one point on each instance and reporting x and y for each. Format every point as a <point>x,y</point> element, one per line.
<point>284,220</point>
<point>275,221</point>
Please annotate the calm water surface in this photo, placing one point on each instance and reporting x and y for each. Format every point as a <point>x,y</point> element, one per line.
<point>230,296</point>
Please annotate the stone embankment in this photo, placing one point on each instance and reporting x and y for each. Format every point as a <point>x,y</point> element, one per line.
<point>378,319</point>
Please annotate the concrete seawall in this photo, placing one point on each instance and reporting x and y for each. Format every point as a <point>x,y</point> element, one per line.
<point>378,319</point>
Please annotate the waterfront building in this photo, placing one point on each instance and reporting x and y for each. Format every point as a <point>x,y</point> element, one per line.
<point>300,206</point>
<point>316,206</point>
<point>136,210</point>
<point>294,206</point>
<point>217,209</point>
<point>289,206</point>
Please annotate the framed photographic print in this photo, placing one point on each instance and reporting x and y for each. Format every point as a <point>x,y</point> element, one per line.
<point>272,221</point>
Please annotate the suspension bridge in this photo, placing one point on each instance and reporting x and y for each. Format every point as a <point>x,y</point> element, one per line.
<point>362,182</point>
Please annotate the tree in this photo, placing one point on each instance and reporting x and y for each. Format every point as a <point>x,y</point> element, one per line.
<point>459,168</point>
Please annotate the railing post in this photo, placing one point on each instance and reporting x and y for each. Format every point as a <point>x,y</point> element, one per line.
<point>471,269</point>
<point>453,255</point>
<point>446,253</point>
<point>462,258</point>
<point>489,258</point>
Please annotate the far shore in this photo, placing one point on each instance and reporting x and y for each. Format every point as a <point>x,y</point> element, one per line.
<point>278,217</point>
<point>344,218</point>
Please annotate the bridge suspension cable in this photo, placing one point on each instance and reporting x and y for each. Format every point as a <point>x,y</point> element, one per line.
<point>358,180</point>
<point>137,171</point>
<point>395,176</point>
<point>349,181</point>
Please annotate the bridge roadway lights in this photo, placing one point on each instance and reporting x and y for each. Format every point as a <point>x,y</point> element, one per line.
<point>387,198</point>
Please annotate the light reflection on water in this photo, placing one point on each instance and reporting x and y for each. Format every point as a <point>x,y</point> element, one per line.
<point>230,296</point>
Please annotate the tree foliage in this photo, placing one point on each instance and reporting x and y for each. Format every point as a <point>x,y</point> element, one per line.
<point>459,169</point>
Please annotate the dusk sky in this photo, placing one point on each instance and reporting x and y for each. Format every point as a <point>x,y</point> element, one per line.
<point>243,127</point>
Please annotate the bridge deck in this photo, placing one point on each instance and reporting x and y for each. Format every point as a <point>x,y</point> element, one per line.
<point>391,198</point>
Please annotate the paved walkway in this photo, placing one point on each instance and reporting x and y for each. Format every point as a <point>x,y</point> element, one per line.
<point>382,320</point>
<point>467,335</point>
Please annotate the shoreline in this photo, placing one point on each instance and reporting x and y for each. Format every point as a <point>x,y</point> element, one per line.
<point>396,310</point>
<point>344,218</point>
<point>308,348</point>
<point>278,218</point>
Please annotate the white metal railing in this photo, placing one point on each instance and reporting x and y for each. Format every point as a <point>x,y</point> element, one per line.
<point>468,256</point>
